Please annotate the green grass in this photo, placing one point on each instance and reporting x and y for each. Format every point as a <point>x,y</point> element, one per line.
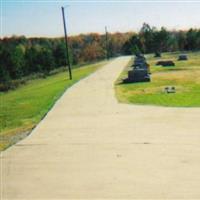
<point>185,76</point>
<point>23,108</point>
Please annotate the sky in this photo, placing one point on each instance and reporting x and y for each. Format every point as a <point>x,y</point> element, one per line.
<point>43,18</point>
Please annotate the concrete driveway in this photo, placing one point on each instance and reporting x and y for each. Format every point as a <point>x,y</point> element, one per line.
<point>91,147</point>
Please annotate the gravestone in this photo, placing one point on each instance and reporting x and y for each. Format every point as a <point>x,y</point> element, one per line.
<point>140,72</point>
<point>138,62</point>
<point>157,54</point>
<point>139,75</point>
<point>166,63</point>
<point>144,65</point>
<point>182,57</point>
<point>170,89</point>
<point>139,58</point>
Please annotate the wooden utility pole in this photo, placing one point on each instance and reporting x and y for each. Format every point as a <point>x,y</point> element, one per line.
<point>66,43</point>
<point>107,50</point>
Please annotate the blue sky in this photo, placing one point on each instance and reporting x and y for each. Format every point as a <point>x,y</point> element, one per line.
<point>43,18</point>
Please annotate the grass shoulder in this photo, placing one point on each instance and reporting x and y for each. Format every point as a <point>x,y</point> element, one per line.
<point>22,108</point>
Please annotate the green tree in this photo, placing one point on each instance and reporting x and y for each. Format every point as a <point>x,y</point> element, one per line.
<point>46,60</point>
<point>32,62</point>
<point>181,40</point>
<point>161,40</point>
<point>146,38</point>
<point>59,55</point>
<point>17,62</point>
<point>191,38</point>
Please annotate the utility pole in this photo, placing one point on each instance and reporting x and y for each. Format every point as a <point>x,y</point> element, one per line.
<point>107,51</point>
<point>66,43</point>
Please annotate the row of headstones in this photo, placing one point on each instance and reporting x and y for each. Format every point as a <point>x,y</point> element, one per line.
<point>170,62</point>
<point>181,57</point>
<point>140,70</point>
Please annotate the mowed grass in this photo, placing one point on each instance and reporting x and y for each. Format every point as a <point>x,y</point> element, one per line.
<point>23,108</point>
<point>185,76</point>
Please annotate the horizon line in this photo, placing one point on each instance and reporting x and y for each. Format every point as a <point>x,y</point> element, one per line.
<point>100,33</point>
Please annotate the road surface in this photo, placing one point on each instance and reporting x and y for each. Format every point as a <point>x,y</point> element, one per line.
<point>89,146</point>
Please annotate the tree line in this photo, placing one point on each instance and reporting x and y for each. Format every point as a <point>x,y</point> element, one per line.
<point>22,57</point>
<point>151,40</point>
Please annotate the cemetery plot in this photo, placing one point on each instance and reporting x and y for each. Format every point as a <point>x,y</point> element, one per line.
<point>176,85</point>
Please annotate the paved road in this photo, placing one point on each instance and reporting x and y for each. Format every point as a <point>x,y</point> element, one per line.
<point>91,147</point>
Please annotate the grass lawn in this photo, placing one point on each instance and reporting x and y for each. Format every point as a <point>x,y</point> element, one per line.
<point>185,76</point>
<point>23,108</point>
